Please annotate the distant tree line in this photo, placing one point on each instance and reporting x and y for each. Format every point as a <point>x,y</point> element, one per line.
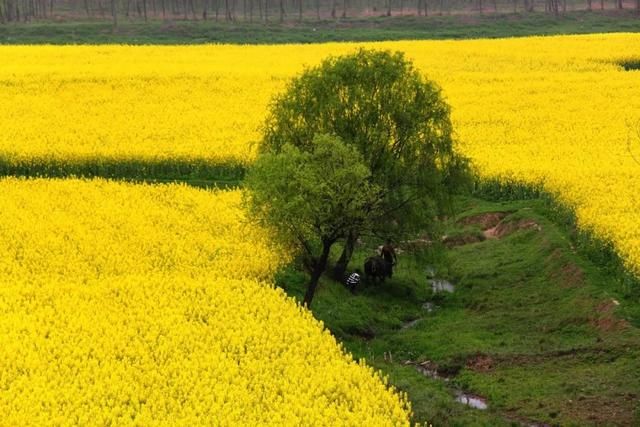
<point>279,10</point>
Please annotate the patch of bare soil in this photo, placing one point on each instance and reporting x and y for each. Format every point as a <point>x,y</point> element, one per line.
<point>461,239</point>
<point>593,353</point>
<point>605,319</point>
<point>366,334</point>
<point>504,229</point>
<point>555,255</point>
<point>484,220</point>
<point>570,276</point>
<point>416,244</point>
<point>517,419</point>
<point>431,369</point>
<point>480,363</point>
<point>493,226</point>
<point>567,274</point>
<point>602,410</point>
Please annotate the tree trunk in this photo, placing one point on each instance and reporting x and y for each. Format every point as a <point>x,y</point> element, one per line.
<point>114,14</point>
<point>318,9</point>
<point>344,8</point>
<point>601,4</point>
<point>281,10</point>
<point>333,9</point>
<point>300,10</point>
<point>388,7</point>
<point>589,5</point>
<point>319,266</point>
<point>144,9</point>
<point>347,252</point>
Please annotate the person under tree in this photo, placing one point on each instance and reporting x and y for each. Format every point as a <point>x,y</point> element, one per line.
<point>388,253</point>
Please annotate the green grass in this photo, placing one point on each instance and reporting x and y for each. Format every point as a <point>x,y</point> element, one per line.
<point>350,29</point>
<point>631,65</point>
<point>190,171</point>
<point>532,325</point>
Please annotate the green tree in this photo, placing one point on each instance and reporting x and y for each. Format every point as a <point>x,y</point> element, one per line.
<point>312,198</point>
<point>377,102</point>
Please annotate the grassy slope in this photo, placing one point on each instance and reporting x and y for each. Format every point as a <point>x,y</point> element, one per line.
<point>532,326</point>
<point>353,29</point>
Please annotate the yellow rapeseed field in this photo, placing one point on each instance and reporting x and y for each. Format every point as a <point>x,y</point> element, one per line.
<point>551,110</point>
<point>92,229</point>
<point>139,304</point>
<point>125,304</point>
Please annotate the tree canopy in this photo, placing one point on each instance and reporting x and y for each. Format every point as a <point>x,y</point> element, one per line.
<point>378,103</point>
<point>312,198</point>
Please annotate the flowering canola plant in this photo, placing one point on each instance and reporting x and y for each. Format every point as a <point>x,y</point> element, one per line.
<point>99,228</point>
<point>557,111</point>
<point>136,304</point>
<point>129,304</point>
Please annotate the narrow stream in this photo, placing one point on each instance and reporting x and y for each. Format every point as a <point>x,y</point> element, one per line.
<point>439,285</point>
<point>471,400</point>
<point>429,370</point>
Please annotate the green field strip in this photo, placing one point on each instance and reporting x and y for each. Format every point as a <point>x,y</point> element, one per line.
<point>192,171</point>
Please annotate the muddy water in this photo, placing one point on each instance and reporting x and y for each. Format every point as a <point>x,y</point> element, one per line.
<point>430,272</point>
<point>426,369</point>
<point>429,307</point>
<point>430,370</point>
<point>439,285</point>
<point>411,324</point>
<point>471,400</point>
<point>431,373</point>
